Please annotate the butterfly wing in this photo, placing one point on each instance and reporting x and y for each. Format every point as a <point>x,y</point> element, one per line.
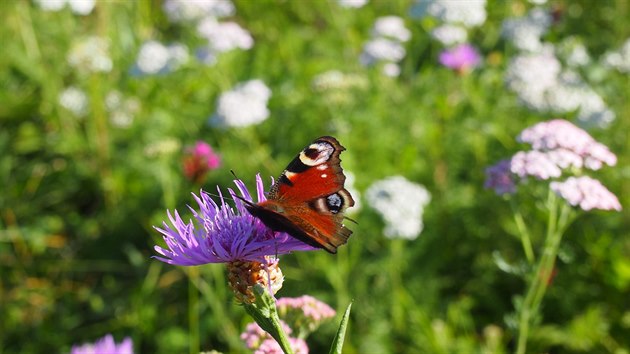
<point>309,199</point>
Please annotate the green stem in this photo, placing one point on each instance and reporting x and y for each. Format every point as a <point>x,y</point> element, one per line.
<point>265,314</point>
<point>193,309</point>
<point>526,240</point>
<point>542,274</point>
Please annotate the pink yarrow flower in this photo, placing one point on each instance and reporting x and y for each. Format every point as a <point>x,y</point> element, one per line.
<point>261,342</point>
<point>561,134</point>
<point>535,164</point>
<point>587,193</point>
<point>461,58</point>
<point>105,345</point>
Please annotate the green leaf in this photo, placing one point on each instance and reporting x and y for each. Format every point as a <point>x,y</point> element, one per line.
<point>337,344</point>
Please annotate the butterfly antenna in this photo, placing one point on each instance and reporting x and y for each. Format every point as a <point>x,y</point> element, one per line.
<point>354,221</point>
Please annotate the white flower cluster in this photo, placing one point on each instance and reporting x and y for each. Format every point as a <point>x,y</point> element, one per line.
<point>121,109</point>
<point>401,203</point>
<point>244,105</point>
<point>75,100</point>
<point>525,33</point>
<point>337,87</point>
<point>352,3</point>
<point>156,58</point>
<point>388,34</point>
<point>468,13</point>
<point>573,52</point>
<point>222,37</point>
<point>188,10</point>
<point>619,60</point>
<point>540,83</point>
<point>79,7</point>
<point>91,55</point>
<point>449,35</point>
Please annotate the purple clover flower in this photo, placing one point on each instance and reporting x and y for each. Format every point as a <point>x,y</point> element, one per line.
<point>586,192</point>
<point>461,58</point>
<point>499,178</point>
<point>223,234</point>
<point>105,345</point>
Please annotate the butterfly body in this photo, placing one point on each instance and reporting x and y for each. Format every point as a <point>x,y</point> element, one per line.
<point>308,199</point>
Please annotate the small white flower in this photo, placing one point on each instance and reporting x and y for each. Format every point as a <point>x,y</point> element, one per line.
<point>154,57</point>
<point>449,35</point>
<point>82,7</point>
<point>122,110</point>
<point>192,10</point>
<point>224,36</point>
<point>51,5</point>
<point>401,204</point>
<point>91,55</point>
<point>352,3</point>
<point>469,13</point>
<point>244,105</point>
<point>531,75</point>
<point>525,33</point>
<point>619,60</point>
<point>79,7</point>
<point>75,101</point>
<point>391,69</point>
<point>391,27</point>
<point>382,49</point>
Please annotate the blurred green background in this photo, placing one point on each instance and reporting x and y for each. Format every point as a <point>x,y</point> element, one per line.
<point>79,195</point>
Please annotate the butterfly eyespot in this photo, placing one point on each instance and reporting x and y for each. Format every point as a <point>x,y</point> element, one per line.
<point>316,153</point>
<point>334,203</point>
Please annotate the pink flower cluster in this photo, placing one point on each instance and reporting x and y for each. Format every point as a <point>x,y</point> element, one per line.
<point>200,159</point>
<point>568,143</point>
<point>586,192</point>
<point>557,146</point>
<point>261,342</point>
<point>311,308</point>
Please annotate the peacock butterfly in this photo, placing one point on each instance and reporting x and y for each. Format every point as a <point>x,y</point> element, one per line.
<point>308,200</point>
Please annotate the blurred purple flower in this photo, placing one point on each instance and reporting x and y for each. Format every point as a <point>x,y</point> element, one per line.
<point>200,159</point>
<point>461,58</point>
<point>499,178</point>
<point>222,234</point>
<point>586,192</point>
<point>105,345</point>
<point>560,134</point>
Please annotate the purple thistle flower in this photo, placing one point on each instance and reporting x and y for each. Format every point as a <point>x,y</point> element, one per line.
<point>223,234</point>
<point>586,192</point>
<point>461,58</point>
<point>105,345</point>
<point>499,178</point>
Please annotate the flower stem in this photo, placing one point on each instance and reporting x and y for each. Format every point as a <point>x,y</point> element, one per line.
<point>543,272</point>
<point>523,232</point>
<point>265,314</point>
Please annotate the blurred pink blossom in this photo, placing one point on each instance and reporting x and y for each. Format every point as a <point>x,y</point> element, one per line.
<point>535,164</point>
<point>586,192</point>
<point>200,159</point>
<point>461,58</point>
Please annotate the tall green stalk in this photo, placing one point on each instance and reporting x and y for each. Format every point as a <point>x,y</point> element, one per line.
<point>540,278</point>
